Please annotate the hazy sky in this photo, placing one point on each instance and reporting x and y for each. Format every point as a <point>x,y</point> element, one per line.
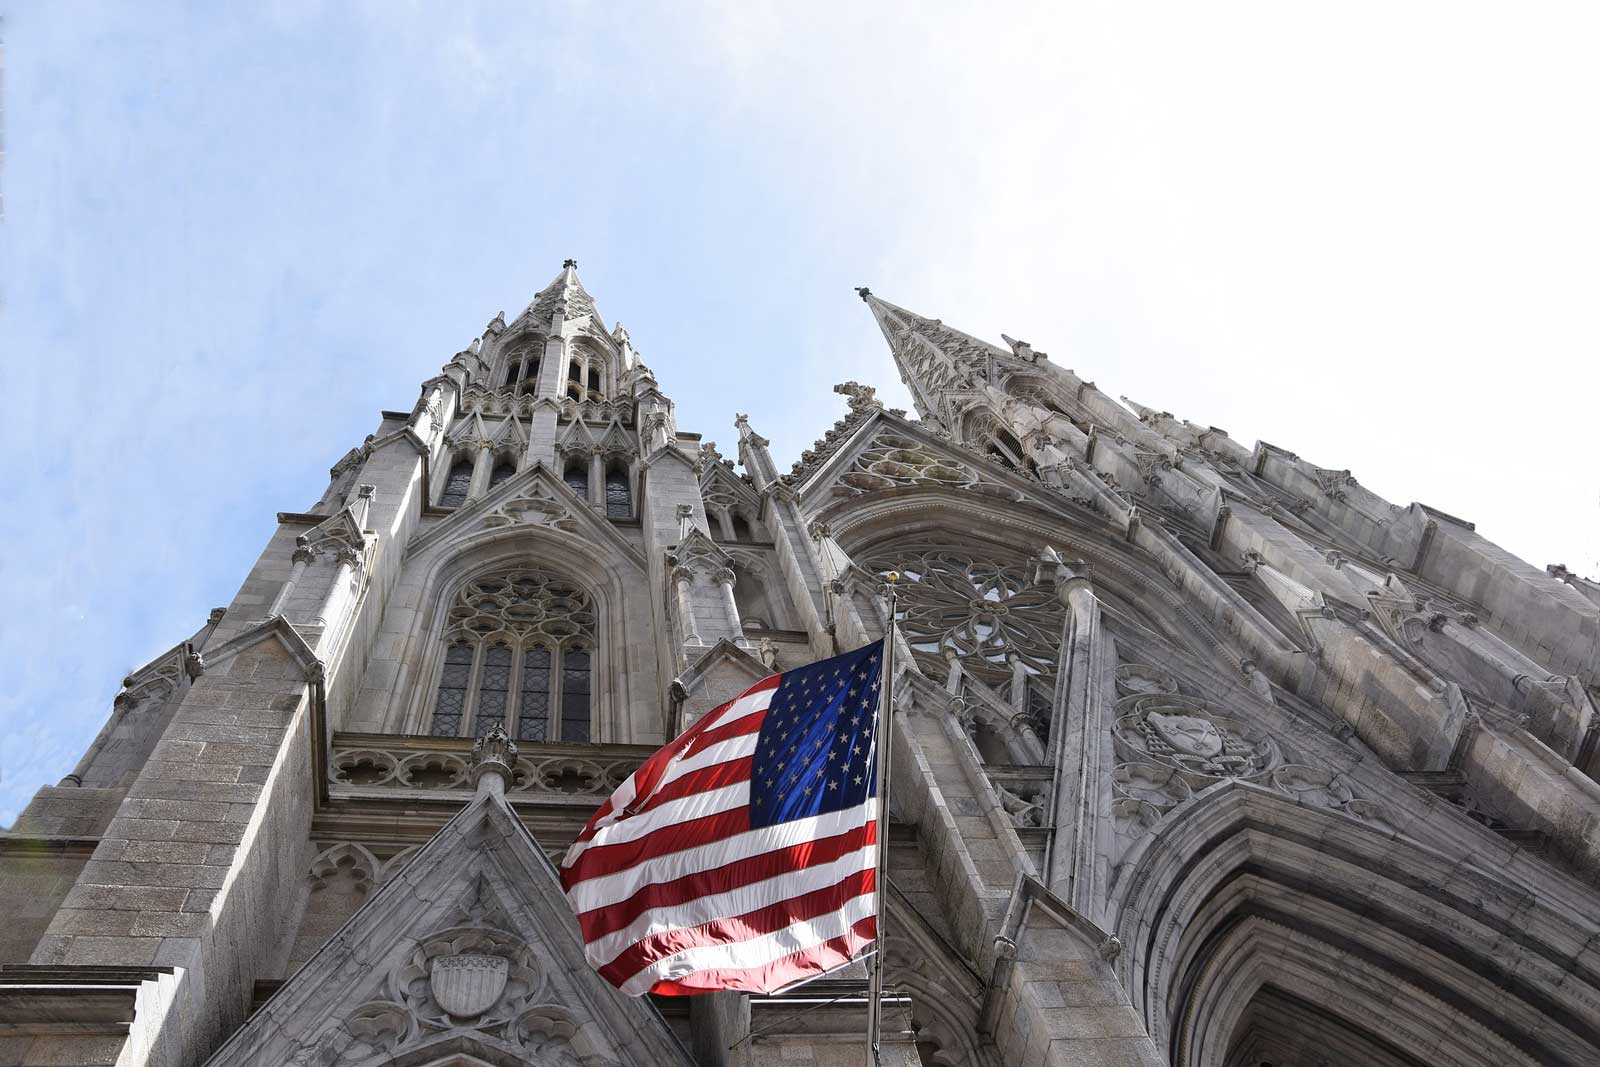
<point>1366,232</point>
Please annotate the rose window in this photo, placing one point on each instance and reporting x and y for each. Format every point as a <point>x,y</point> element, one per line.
<point>984,610</point>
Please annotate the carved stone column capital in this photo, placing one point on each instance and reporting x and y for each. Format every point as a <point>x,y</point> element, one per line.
<point>494,755</point>
<point>303,552</point>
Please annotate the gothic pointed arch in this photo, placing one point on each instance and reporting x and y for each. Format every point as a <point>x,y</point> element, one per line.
<point>560,574</point>
<point>1246,901</point>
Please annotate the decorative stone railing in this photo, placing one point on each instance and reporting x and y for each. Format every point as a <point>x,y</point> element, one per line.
<point>381,764</point>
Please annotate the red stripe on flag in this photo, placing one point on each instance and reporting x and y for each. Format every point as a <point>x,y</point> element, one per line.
<point>736,928</point>
<point>609,859</point>
<point>651,771</point>
<point>779,973</point>
<point>599,922</point>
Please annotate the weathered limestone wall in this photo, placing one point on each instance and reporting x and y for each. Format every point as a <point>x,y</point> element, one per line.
<point>193,871</point>
<point>35,878</point>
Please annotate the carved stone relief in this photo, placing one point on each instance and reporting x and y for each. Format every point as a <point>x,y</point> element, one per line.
<point>1181,732</point>
<point>538,769</point>
<point>536,506</point>
<point>893,461</point>
<point>1142,678</point>
<point>471,977</point>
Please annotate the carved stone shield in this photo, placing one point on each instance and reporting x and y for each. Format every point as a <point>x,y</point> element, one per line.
<point>1188,734</point>
<point>467,986</point>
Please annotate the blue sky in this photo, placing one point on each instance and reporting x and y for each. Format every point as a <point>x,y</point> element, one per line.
<point>232,236</point>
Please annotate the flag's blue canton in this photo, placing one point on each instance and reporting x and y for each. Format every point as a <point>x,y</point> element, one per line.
<point>815,751</point>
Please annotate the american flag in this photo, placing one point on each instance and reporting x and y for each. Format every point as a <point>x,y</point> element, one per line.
<point>742,855</point>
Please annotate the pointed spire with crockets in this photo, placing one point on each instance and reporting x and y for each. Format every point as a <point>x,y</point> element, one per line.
<point>567,295</point>
<point>934,360</point>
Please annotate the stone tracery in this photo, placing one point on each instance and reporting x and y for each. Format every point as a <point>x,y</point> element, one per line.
<point>983,609</point>
<point>894,461</point>
<point>519,647</point>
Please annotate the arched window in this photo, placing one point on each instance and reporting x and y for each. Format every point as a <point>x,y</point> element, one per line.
<point>494,689</point>
<point>451,704</point>
<point>575,676</point>
<point>504,471</point>
<point>619,500</point>
<point>530,376</point>
<point>513,372</point>
<point>750,596</point>
<point>577,477</point>
<point>520,645</point>
<point>457,484</point>
<point>574,372</point>
<point>533,709</point>
<point>741,527</point>
<point>594,383</point>
<point>1007,449</point>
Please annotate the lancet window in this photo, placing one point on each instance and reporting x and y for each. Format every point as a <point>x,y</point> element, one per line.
<point>619,497</point>
<point>456,484</point>
<point>519,652</point>
<point>504,471</point>
<point>577,477</point>
<point>522,373</point>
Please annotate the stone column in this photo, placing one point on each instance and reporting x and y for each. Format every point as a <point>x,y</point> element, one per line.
<point>482,465</point>
<point>725,578</point>
<point>597,481</point>
<point>303,555</point>
<point>683,579</point>
<point>1019,683</point>
<point>1076,741</point>
<point>724,523</point>
<point>349,562</point>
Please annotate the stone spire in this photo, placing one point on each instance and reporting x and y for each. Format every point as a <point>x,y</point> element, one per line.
<point>565,295</point>
<point>934,360</point>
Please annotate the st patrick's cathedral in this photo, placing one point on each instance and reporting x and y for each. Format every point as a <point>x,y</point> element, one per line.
<point>1204,755</point>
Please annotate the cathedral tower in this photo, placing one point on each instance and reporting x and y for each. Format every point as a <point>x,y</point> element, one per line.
<point>1204,754</point>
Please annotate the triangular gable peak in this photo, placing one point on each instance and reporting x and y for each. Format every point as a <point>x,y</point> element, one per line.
<point>468,430</point>
<point>889,452</point>
<point>509,435</point>
<point>533,498</point>
<point>697,552</point>
<point>720,674</point>
<point>616,440</point>
<point>720,485</point>
<point>577,437</point>
<point>341,530</point>
<point>469,952</point>
<point>275,628</point>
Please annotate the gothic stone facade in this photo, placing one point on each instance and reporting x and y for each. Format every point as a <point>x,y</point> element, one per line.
<point>1205,755</point>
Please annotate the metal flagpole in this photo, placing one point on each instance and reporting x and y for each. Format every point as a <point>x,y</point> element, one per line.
<point>881,741</point>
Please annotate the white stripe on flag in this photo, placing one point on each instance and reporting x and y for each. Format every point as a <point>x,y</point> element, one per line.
<point>740,901</point>
<point>757,951</point>
<point>601,890</point>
